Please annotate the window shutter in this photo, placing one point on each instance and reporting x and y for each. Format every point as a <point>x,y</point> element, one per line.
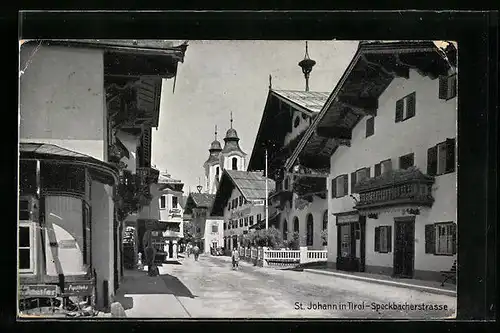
<point>450,155</point>
<point>453,228</point>
<point>378,169</point>
<point>453,87</point>
<point>334,188</point>
<point>353,182</point>
<point>370,126</point>
<point>389,239</point>
<point>346,184</point>
<point>399,110</point>
<point>377,239</point>
<point>432,161</point>
<point>430,238</point>
<point>368,172</point>
<point>411,105</point>
<point>443,87</point>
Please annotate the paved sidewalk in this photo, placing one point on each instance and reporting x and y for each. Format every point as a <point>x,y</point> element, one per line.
<point>420,285</point>
<point>146,296</point>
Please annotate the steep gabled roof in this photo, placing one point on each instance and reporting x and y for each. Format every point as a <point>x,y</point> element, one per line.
<point>370,72</point>
<point>277,117</point>
<point>251,185</point>
<point>198,200</point>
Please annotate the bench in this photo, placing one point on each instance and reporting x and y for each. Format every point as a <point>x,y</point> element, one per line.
<point>451,274</point>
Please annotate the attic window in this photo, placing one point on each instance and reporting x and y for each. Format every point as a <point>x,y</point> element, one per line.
<point>296,122</point>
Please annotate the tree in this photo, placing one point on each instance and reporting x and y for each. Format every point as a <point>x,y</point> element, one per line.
<point>271,237</point>
<point>293,241</point>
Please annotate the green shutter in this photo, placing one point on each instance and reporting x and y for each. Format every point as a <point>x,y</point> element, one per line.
<point>399,110</point>
<point>430,238</point>
<point>450,155</point>
<point>432,161</point>
<point>377,239</point>
<point>410,105</point>
<point>346,184</point>
<point>353,182</point>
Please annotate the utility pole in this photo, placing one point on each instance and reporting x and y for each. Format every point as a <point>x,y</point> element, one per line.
<point>266,205</point>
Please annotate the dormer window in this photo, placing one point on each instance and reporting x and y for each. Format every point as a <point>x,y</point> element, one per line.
<point>296,122</point>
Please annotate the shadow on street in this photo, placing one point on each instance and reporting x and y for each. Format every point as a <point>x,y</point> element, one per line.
<point>176,287</point>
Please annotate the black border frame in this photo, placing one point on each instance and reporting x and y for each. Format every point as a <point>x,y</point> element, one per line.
<point>477,37</point>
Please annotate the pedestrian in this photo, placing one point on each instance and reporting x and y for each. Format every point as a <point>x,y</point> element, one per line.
<point>196,252</point>
<point>150,253</point>
<point>188,250</point>
<point>235,258</point>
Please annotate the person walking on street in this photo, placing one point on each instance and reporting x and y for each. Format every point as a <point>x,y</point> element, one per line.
<point>150,253</point>
<point>235,258</point>
<point>196,252</point>
<point>188,250</point>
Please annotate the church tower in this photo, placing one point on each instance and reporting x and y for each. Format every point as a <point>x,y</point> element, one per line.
<point>232,157</point>
<point>212,166</point>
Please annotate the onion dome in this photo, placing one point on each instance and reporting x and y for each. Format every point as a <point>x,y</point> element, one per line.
<point>231,135</point>
<point>231,140</point>
<point>215,149</point>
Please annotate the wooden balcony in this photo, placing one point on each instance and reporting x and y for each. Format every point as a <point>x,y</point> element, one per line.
<point>394,188</point>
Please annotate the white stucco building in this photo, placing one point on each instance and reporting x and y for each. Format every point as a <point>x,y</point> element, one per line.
<point>390,133</point>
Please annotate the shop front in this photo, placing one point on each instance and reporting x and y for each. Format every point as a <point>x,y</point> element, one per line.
<point>351,241</point>
<point>60,266</point>
<point>156,228</point>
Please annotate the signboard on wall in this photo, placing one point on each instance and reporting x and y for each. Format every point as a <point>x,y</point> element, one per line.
<point>259,202</point>
<point>241,213</point>
<point>39,290</point>
<point>347,219</point>
<point>83,288</point>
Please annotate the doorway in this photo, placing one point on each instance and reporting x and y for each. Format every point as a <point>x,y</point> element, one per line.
<point>351,245</point>
<point>170,249</point>
<point>404,247</point>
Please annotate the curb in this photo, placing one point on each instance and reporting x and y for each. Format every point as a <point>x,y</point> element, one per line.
<point>432,290</point>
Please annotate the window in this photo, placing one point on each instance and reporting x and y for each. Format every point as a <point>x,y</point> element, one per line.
<point>441,158</point>
<point>406,161</point>
<point>358,176</point>
<point>370,126</point>
<point>246,221</point>
<point>215,228</point>
<point>296,122</point>
<point>441,238</point>
<point>448,87</point>
<point>383,239</point>
<point>405,107</point>
<point>217,172</point>
<point>310,227</point>
<point>175,202</point>
<point>241,223</point>
<point>225,226</point>
<point>340,186</point>
<point>383,167</point>
<point>241,200</point>
<point>229,225</point>
<point>259,217</point>
<point>285,230</point>
<point>235,163</point>
<point>26,247</point>
<point>250,222</point>
<point>295,224</point>
<point>325,220</point>
<point>345,240</point>
<point>287,183</point>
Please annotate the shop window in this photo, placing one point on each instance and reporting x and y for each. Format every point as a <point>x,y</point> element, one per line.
<point>448,87</point>
<point>285,230</point>
<point>406,161</point>
<point>295,224</point>
<point>175,202</point>
<point>441,158</point>
<point>215,228</point>
<point>26,247</point>
<point>310,230</point>
<point>441,238</point>
<point>370,126</point>
<point>383,239</point>
<point>345,240</point>
<point>235,163</point>
<point>405,107</point>
<point>163,202</point>
<point>340,186</point>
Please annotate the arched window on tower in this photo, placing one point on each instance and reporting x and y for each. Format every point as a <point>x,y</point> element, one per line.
<point>235,163</point>
<point>310,236</point>
<point>285,230</point>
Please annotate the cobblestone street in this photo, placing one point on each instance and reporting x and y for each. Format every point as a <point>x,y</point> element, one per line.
<point>209,288</point>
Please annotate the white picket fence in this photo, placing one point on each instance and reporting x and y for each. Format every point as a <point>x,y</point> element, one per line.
<point>267,257</point>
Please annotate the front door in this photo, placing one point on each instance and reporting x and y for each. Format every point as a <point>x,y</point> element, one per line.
<point>404,247</point>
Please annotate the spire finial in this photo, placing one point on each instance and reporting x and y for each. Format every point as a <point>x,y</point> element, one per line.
<point>307,64</point>
<point>307,52</point>
<point>270,82</point>
<point>216,132</point>
<point>231,119</point>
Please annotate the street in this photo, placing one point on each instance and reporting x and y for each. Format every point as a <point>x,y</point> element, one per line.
<point>209,288</point>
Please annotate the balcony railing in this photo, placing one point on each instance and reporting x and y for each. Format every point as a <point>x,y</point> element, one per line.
<point>397,187</point>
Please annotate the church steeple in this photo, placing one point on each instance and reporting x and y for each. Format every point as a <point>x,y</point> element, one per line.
<point>215,147</point>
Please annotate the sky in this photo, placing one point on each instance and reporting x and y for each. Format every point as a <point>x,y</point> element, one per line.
<point>220,77</point>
